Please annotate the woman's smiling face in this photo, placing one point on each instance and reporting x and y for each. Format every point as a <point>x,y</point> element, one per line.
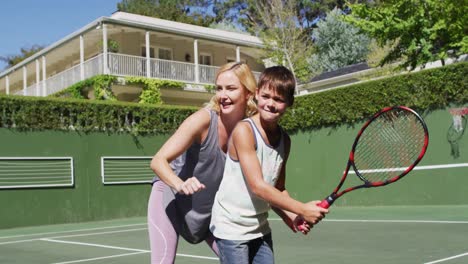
<point>231,94</point>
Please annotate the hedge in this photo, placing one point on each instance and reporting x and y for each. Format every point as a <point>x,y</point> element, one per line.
<point>423,91</point>
<point>36,113</point>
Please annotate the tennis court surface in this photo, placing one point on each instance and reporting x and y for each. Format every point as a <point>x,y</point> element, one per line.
<point>390,234</point>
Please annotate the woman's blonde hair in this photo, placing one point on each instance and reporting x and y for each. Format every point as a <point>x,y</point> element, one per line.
<point>246,78</point>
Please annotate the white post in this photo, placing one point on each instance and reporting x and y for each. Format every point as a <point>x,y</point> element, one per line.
<point>38,78</point>
<point>148,64</point>
<point>25,80</point>
<point>7,80</point>
<point>104,49</point>
<point>237,54</point>
<point>81,58</point>
<point>195,60</point>
<point>44,76</point>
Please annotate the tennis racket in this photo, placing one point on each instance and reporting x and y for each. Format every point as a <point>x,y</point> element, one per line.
<point>389,145</point>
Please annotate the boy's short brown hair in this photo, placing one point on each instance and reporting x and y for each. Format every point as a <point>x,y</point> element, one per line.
<point>281,80</point>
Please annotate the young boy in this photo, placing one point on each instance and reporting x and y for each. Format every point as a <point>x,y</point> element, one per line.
<point>254,178</point>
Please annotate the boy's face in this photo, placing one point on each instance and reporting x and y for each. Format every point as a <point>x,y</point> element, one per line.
<point>271,105</point>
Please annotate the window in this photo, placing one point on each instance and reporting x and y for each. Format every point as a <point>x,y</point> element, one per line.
<point>143,52</point>
<point>165,53</point>
<point>232,59</point>
<point>205,59</point>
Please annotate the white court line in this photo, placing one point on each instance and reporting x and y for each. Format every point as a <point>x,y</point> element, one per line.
<point>18,241</point>
<point>271,219</point>
<point>137,251</point>
<point>396,221</point>
<point>128,254</point>
<point>429,167</point>
<point>200,257</point>
<point>77,235</point>
<point>449,258</point>
<point>100,233</point>
<point>98,258</point>
<point>71,231</point>
<point>387,221</point>
<point>93,245</point>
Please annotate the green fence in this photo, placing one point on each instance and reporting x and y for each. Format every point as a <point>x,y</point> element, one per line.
<point>88,199</point>
<point>110,172</point>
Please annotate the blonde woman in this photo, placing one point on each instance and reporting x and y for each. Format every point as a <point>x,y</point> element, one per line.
<point>190,165</point>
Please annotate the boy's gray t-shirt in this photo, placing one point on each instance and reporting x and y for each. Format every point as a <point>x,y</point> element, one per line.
<point>206,162</point>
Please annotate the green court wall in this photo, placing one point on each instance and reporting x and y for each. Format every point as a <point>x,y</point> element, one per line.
<point>316,163</point>
<point>318,159</point>
<point>89,199</point>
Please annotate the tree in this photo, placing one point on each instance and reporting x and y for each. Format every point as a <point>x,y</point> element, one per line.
<point>12,60</point>
<point>310,12</point>
<point>337,44</point>
<point>196,12</point>
<point>285,42</point>
<point>242,13</point>
<point>224,25</point>
<point>246,14</point>
<point>421,30</point>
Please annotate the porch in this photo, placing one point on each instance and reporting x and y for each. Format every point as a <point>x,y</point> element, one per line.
<point>195,76</point>
<point>132,45</point>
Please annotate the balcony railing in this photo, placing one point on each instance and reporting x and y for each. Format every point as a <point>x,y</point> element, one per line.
<point>125,65</point>
<point>62,80</point>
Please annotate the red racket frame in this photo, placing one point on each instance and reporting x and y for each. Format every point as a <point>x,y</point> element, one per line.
<point>327,202</point>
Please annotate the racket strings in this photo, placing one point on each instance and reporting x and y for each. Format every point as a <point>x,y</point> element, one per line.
<point>388,146</point>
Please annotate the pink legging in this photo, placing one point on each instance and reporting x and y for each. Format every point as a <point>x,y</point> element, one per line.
<point>163,236</point>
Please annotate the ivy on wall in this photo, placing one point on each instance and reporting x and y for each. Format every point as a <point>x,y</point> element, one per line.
<point>151,93</point>
<point>101,85</point>
<point>424,90</point>
<point>210,88</point>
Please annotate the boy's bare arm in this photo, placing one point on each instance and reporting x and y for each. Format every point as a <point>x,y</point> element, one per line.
<point>243,142</point>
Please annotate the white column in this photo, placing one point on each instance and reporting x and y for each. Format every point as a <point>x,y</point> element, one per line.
<point>38,78</point>
<point>195,60</point>
<point>7,80</point>
<point>104,49</point>
<point>237,54</point>
<point>25,80</point>
<point>44,76</point>
<point>81,58</point>
<point>148,64</point>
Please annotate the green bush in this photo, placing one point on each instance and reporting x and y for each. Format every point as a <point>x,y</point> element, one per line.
<point>424,90</point>
<point>101,85</point>
<point>151,93</point>
<point>28,113</point>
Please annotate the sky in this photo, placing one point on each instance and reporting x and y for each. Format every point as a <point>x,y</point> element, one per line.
<point>24,23</point>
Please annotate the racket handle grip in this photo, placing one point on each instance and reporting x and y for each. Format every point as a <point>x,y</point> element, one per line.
<point>327,202</point>
<point>324,204</point>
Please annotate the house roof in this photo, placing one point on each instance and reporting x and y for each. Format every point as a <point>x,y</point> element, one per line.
<point>150,23</point>
<point>341,71</point>
<point>186,29</point>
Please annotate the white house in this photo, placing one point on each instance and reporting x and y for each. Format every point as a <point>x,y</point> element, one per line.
<point>127,44</point>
